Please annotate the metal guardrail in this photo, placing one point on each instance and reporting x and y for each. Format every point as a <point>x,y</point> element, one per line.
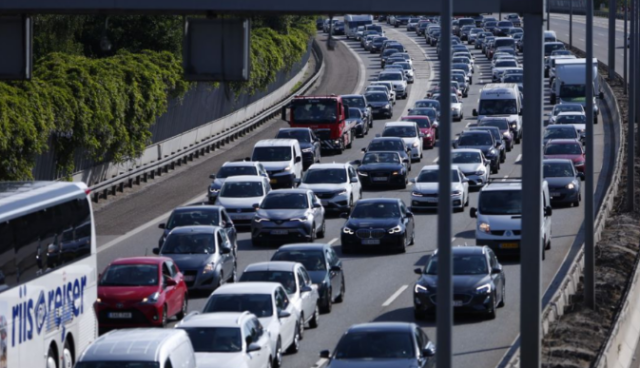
<point>142,174</point>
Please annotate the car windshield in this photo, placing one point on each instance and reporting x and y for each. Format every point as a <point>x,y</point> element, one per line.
<point>325,176</point>
<point>242,190</point>
<point>560,133</point>
<point>355,113</point>
<point>454,100</point>
<point>561,52</point>
<point>377,97</point>
<point>475,140</point>
<point>557,170</point>
<point>117,364</point>
<point>463,264</point>
<point>189,243</point>
<point>504,42</point>
<point>571,119</point>
<point>424,111</point>
<point>214,339</point>
<point>506,64</point>
<point>386,145</point>
<point>422,123</point>
<point>505,24</point>
<point>354,101</point>
<point>130,275</point>
<point>494,132</point>
<point>498,107</point>
<point>375,345</point>
<point>270,154</point>
<point>563,149</point>
<point>500,124</point>
<point>428,103</point>
<point>364,210</point>
<point>300,135</point>
<point>572,90</point>
<point>464,60</point>
<point>380,157</point>
<point>466,157</point>
<point>193,217</point>
<point>462,66</point>
<point>431,176</point>
<point>314,110</point>
<point>379,40</point>
<point>390,77</point>
<point>312,260</point>
<point>259,304</point>
<point>285,278</point>
<point>500,202</point>
<point>513,78</point>
<point>548,48</point>
<point>458,78</point>
<point>399,131</point>
<point>566,108</point>
<point>285,201</point>
<point>404,65</point>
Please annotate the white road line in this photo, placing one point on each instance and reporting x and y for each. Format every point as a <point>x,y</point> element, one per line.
<point>394,296</point>
<point>319,363</point>
<point>453,239</point>
<point>436,159</point>
<point>145,226</point>
<point>332,241</point>
<point>362,76</point>
<point>505,178</point>
<point>519,158</point>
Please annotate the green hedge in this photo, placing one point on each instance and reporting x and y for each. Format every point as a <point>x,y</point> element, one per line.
<point>104,107</point>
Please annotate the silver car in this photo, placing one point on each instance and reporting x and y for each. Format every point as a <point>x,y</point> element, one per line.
<point>238,196</point>
<point>288,215</point>
<point>473,165</point>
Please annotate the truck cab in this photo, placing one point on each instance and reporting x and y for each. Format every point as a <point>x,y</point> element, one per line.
<point>569,84</point>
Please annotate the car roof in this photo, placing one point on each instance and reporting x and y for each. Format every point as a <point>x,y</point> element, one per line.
<point>290,190</point>
<point>304,246</point>
<point>139,260</point>
<point>240,163</point>
<point>379,152</point>
<point>400,123</point>
<point>498,186</point>
<point>557,160</point>
<point>378,200</point>
<point>276,142</point>
<point>205,207</point>
<point>272,266</point>
<point>386,138</point>
<point>244,178</point>
<point>381,326</point>
<point>563,141</point>
<point>140,344</point>
<point>351,96</point>
<point>467,249</point>
<point>560,126</point>
<point>335,165</point>
<point>571,113</point>
<point>472,150</point>
<point>195,229</point>
<point>258,287</point>
<point>437,167</point>
<point>469,132</point>
<point>218,319</point>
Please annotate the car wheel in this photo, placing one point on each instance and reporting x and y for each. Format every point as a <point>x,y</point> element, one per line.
<point>403,246</point>
<point>234,273</point>
<point>494,170</point>
<point>184,309</point>
<point>466,203</point>
<point>313,322</point>
<point>346,250</point>
<point>322,230</point>
<point>404,183</point>
<point>413,238</point>
<point>313,235</point>
<point>501,304</point>
<point>340,298</point>
<point>328,304</point>
<point>503,158</point>
<point>491,314</point>
<point>163,322</point>
<point>277,361</point>
<point>418,315</point>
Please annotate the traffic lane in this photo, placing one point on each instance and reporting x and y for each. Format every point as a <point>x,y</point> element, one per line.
<point>341,69</point>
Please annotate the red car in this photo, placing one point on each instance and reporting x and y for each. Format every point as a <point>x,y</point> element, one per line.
<point>426,128</point>
<point>566,148</point>
<point>140,291</point>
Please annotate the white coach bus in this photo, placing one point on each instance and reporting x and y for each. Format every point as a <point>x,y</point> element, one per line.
<point>352,22</point>
<point>47,274</point>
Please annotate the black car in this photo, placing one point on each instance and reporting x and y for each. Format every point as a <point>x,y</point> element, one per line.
<point>502,28</point>
<point>478,283</point>
<point>324,268</point>
<point>379,104</point>
<point>563,180</point>
<point>383,344</point>
<point>378,223</point>
<point>498,138</point>
<point>200,215</point>
<point>359,102</point>
<point>483,141</point>
<point>356,116</point>
<point>376,44</point>
<point>309,143</point>
<point>390,144</point>
<point>382,168</point>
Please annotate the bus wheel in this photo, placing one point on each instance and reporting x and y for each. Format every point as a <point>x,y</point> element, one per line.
<point>67,355</point>
<point>52,358</point>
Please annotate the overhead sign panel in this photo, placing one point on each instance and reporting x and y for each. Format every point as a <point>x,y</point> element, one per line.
<point>15,48</point>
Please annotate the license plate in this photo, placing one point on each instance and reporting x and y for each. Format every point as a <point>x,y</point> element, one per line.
<point>324,203</point>
<point>457,303</point>
<point>509,245</point>
<point>273,181</point>
<point>370,241</point>
<point>120,315</point>
<point>554,194</point>
<point>279,232</point>
<point>381,178</point>
<point>432,200</point>
<point>189,278</point>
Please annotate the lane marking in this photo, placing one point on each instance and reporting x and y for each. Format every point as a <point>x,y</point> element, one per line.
<point>453,239</point>
<point>436,159</point>
<point>505,178</point>
<point>332,241</point>
<point>141,228</point>
<point>395,295</point>
<point>519,158</point>
<point>319,363</point>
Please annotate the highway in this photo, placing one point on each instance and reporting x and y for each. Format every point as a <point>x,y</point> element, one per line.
<point>379,286</point>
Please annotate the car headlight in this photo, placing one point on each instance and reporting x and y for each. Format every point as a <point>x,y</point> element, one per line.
<point>260,219</point>
<point>484,289</point>
<point>506,134</point>
<point>456,193</point>
<point>387,106</point>
<point>480,172</point>
<point>395,173</point>
<point>208,268</point>
<point>152,298</point>
<point>513,125</point>
<point>347,230</point>
<point>307,150</point>
<point>287,168</point>
<point>420,289</point>
<point>344,192</point>
<point>579,163</point>
<point>362,173</point>
<point>417,194</point>
<point>213,190</point>
<point>493,151</point>
<point>571,186</point>
<point>299,219</point>
<point>484,227</point>
<point>428,135</point>
<point>395,229</point>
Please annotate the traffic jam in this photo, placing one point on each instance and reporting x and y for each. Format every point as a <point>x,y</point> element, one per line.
<point>286,195</point>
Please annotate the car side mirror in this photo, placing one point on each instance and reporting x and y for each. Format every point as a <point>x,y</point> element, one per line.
<point>253,347</point>
<point>465,180</point>
<point>298,159</point>
<point>520,113</point>
<point>225,250</point>
<point>364,149</point>
<point>256,206</point>
<point>581,176</point>
<point>355,163</point>
<point>409,214</point>
<point>353,180</point>
<point>162,225</point>
<point>228,224</point>
<point>412,180</point>
<point>156,251</point>
<point>496,270</point>
<point>473,212</point>
<point>421,135</point>
<point>417,271</point>
<point>325,354</point>
<point>317,205</point>
<point>601,95</point>
<point>306,289</point>
<point>212,176</point>
<point>548,211</point>
<point>336,268</point>
<point>297,181</point>
<point>429,351</point>
<point>284,314</point>
<point>498,144</point>
<point>344,215</point>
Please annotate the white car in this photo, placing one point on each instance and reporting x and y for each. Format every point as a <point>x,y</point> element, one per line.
<point>577,119</point>
<point>565,107</point>
<point>425,192</point>
<point>466,54</point>
<point>502,56</point>
<point>456,106</point>
<point>500,66</point>
<point>388,89</point>
<point>238,195</point>
<point>271,304</point>
<point>398,81</point>
<point>296,282</point>
<point>463,60</point>
<point>233,168</point>
<point>410,134</point>
<point>228,340</point>
<point>462,73</point>
<point>473,164</point>
<point>336,185</point>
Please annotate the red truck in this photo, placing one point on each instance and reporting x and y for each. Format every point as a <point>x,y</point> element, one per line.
<point>327,116</point>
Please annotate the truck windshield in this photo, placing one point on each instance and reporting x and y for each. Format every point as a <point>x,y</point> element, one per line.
<point>572,90</point>
<point>354,101</point>
<point>314,111</point>
<point>498,107</point>
<point>507,202</point>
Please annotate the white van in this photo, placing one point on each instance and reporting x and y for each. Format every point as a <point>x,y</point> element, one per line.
<point>502,99</point>
<point>149,347</point>
<point>282,158</point>
<point>499,217</point>
<point>549,36</point>
<point>569,83</point>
